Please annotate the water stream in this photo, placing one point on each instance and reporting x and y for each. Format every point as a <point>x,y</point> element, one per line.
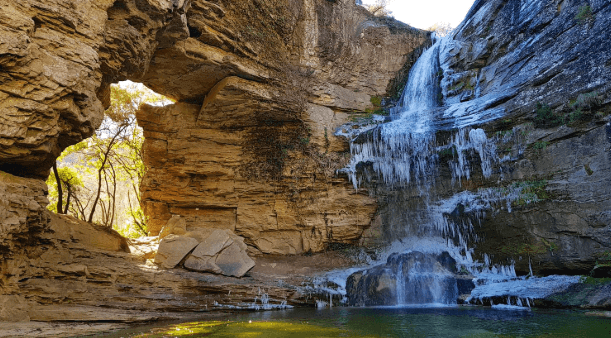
<point>405,154</point>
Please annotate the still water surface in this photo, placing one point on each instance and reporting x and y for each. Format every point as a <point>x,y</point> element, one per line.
<point>389,322</point>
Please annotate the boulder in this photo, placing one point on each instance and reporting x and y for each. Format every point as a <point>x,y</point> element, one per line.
<point>221,252</point>
<point>175,226</point>
<point>408,278</point>
<point>173,249</point>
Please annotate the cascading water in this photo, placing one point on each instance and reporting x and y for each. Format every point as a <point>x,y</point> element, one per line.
<point>401,150</point>
<point>405,154</point>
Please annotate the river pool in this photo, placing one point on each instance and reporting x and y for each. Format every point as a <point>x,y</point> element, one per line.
<point>389,322</point>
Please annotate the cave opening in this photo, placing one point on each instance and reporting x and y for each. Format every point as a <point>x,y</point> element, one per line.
<point>100,176</point>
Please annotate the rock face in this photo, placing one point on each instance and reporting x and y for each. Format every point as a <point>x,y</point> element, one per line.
<point>58,59</point>
<point>220,251</point>
<point>535,78</point>
<point>261,89</point>
<point>173,248</point>
<point>217,251</point>
<point>248,149</point>
<point>255,156</point>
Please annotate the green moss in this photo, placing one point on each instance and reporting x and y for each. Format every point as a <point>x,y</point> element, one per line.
<point>376,101</point>
<point>532,191</point>
<point>594,281</point>
<point>447,154</point>
<point>589,171</point>
<point>549,245</point>
<point>546,117</point>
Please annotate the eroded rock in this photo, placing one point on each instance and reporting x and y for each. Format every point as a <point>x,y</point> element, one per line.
<point>175,226</point>
<point>411,278</point>
<point>172,250</point>
<point>221,252</point>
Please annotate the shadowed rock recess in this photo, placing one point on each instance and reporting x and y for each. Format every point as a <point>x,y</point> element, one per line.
<point>249,152</point>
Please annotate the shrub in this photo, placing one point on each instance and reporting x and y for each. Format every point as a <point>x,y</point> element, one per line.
<point>587,102</point>
<point>584,15</point>
<point>546,117</point>
<point>540,145</point>
<point>376,101</point>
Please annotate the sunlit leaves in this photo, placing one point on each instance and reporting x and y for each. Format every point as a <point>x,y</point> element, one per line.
<point>103,173</point>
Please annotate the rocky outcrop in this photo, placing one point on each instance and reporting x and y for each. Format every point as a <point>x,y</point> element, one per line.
<point>248,147</point>
<point>58,59</point>
<point>258,156</point>
<point>409,278</point>
<point>217,251</point>
<point>21,211</point>
<point>62,269</point>
<point>260,91</point>
<point>529,57</point>
<point>535,77</point>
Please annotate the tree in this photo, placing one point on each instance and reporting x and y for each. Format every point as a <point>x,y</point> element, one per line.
<point>441,28</point>
<point>380,8</point>
<point>100,177</point>
<point>70,182</point>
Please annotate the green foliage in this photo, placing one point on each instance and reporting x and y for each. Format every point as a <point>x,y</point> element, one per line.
<point>531,191</point>
<point>594,281</point>
<point>581,108</point>
<point>71,182</point>
<point>584,15</point>
<point>588,170</point>
<point>447,154</point>
<point>549,245</point>
<point>376,101</point>
<point>102,174</point>
<point>546,117</point>
<point>540,145</point>
<point>524,249</point>
<point>604,259</point>
<point>367,116</point>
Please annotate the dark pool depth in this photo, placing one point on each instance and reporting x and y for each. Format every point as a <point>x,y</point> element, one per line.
<point>390,322</point>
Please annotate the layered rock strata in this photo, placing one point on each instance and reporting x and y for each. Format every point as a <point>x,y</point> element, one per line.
<point>256,153</point>
<point>541,70</point>
<point>248,147</point>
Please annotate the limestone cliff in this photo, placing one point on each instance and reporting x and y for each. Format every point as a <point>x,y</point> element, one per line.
<point>251,147</point>
<point>535,76</point>
<point>260,86</point>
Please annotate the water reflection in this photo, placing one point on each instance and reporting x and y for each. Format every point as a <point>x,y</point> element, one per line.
<point>390,322</point>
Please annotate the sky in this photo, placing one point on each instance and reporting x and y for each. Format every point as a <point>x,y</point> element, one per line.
<point>424,13</point>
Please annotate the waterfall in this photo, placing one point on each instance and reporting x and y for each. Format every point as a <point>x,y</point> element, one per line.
<point>400,151</point>
<point>404,150</point>
<point>404,153</point>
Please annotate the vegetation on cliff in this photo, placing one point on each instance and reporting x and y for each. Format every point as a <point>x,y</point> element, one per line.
<point>100,177</point>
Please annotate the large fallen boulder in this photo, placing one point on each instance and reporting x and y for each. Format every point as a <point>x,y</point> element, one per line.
<point>408,278</point>
<point>173,248</point>
<point>175,226</point>
<point>217,251</point>
<point>220,251</point>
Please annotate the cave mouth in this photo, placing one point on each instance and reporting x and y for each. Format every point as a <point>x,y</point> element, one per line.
<point>100,176</point>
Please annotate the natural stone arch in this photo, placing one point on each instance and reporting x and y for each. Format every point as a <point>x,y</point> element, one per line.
<point>273,76</point>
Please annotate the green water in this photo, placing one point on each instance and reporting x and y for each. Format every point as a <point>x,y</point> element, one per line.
<point>389,322</point>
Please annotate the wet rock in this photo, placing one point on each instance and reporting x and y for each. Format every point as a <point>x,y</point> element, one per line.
<point>593,294</point>
<point>412,278</point>
<point>172,250</point>
<point>601,271</point>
